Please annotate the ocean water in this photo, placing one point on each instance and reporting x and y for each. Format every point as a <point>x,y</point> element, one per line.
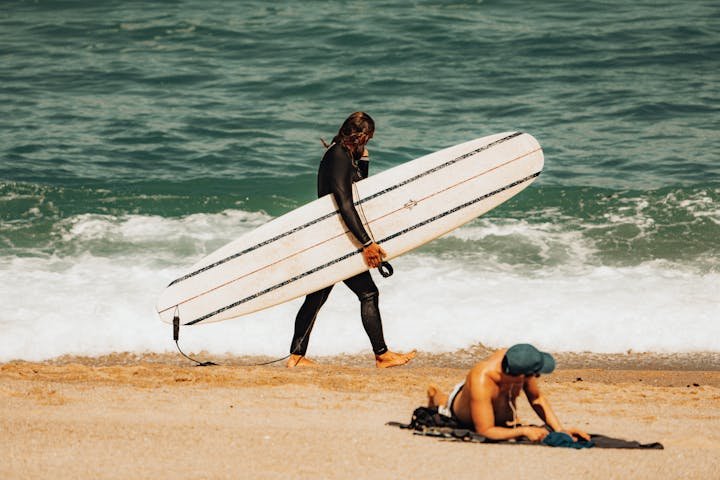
<point>137,137</point>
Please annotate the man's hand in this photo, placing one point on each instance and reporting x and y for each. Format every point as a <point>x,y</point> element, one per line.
<point>576,432</point>
<point>534,434</point>
<point>373,255</point>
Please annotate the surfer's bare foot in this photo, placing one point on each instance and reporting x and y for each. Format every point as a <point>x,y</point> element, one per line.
<point>392,359</point>
<point>299,361</point>
<point>436,398</point>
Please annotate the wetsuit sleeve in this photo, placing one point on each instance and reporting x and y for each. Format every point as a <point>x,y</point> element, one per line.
<point>340,184</point>
<point>364,167</point>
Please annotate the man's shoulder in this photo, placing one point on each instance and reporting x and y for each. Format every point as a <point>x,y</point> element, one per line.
<point>476,376</point>
<point>483,375</point>
<point>335,152</point>
<point>480,368</point>
<point>335,162</point>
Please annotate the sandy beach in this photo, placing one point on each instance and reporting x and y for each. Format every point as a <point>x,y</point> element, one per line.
<point>542,172</point>
<point>155,416</point>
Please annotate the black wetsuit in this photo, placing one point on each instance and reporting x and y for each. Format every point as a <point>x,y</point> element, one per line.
<point>336,175</point>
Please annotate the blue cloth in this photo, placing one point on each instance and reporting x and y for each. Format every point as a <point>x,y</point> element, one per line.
<point>562,439</point>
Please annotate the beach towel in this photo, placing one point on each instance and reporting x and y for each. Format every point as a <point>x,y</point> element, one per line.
<point>427,421</point>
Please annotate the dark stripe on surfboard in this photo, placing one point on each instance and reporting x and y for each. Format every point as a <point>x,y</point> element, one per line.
<point>326,216</point>
<point>355,252</point>
<point>440,167</point>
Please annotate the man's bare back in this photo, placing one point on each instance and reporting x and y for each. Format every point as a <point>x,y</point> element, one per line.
<point>487,400</point>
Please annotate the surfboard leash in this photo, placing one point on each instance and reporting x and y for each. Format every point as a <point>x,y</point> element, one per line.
<point>176,337</point>
<point>198,363</point>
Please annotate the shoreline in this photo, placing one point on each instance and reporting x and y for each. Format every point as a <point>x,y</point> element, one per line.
<point>463,358</point>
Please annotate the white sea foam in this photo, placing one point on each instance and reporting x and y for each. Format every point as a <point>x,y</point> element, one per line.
<point>553,243</point>
<point>139,228</point>
<point>91,302</point>
<point>168,240</point>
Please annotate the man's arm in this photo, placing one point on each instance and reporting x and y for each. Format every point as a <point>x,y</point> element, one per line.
<point>340,185</point>
<point>481,410</point>
<point>540,404</point>
<point>373,253</point>
<point>341,188</point>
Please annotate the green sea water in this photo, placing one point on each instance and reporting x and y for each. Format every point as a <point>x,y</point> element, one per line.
<point>150,133</point>
<point>177,108</point>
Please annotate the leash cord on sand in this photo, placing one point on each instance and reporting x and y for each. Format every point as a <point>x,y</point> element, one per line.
<point>176,338</point>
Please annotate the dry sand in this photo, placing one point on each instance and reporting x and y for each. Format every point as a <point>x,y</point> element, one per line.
<point>154,416</point>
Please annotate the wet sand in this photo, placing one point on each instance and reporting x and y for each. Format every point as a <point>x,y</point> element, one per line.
<point>157,416</point>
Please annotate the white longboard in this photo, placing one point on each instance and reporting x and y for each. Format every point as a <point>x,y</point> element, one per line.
<point>310,247</point>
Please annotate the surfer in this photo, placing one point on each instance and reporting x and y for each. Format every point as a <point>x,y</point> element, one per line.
<point>346,160</point>
<point>486,399</point>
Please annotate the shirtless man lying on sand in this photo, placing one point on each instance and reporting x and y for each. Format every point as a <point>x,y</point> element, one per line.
<point>486,399</point>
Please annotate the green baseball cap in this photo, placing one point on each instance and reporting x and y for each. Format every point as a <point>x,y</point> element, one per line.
<point>524,359</point>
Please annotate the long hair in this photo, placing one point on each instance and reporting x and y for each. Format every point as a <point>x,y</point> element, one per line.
<point>355,133</point>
